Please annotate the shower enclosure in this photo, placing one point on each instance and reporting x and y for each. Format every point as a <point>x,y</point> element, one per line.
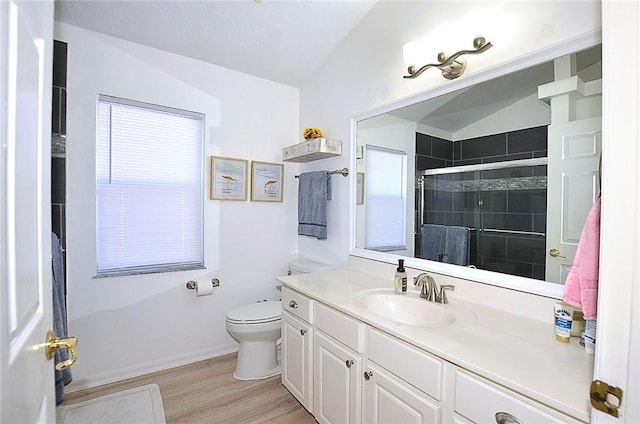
<point>503,206</point>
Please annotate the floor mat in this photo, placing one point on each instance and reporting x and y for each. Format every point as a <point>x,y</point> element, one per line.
<point>140,405</point>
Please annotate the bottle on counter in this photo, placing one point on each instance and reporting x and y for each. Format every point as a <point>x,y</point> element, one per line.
<point>563,319</point>
<point>590,336</point>
<point>401,278</point>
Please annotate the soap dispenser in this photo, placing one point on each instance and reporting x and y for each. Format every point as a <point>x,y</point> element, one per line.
<point>401,278</point>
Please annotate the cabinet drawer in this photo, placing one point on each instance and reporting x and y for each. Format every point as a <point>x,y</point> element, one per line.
<point>297,304</point>
<point>341,327</point>
<point>479,401</point>
<point>410,364</point>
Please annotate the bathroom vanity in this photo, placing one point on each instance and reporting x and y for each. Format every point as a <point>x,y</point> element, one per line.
<point>353,351</point>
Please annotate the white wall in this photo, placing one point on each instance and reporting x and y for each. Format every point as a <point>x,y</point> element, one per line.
<point>366,70</point>
<point>127,325</point>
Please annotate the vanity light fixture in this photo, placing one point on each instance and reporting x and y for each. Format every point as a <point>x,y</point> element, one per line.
<point>451,66</point>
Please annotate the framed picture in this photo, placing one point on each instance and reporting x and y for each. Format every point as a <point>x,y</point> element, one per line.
<point>266,181</point>
<point>360,188</point>
<point>228,178</point>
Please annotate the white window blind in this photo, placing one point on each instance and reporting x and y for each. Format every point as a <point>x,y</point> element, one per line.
<point>386,188</point>
<point>149,188</point>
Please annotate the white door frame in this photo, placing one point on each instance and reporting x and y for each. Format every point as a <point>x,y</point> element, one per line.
<point>618,339</point>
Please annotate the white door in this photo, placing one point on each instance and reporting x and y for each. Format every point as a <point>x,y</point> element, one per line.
<point>573,182</point>
<point>618,335</point>
<point>27,388</point>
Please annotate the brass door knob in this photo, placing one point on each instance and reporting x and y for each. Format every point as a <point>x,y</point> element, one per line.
<point>555,253</point>
<point>52,344</point>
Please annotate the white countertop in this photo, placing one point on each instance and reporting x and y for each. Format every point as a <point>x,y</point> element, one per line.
<point>517,352</point>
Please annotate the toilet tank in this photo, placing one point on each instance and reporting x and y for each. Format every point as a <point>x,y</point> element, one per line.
<point>305,266</point>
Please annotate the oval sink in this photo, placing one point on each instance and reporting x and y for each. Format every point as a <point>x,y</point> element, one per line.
<point>407,309</point>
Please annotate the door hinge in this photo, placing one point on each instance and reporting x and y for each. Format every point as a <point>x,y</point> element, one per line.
<point>605,398</point>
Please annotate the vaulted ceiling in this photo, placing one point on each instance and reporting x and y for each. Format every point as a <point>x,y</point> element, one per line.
<point>284,41</point>
<point>280,40</point>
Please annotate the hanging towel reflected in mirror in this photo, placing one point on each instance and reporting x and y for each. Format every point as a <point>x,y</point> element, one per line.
<point>62,378</point>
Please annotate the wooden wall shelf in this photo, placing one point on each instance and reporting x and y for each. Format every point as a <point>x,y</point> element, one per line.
<point>307,151</point>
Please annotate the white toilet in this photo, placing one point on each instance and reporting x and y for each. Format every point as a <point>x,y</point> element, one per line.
<point>257,327</point>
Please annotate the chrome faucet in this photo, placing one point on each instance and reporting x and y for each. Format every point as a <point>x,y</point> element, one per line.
<point>442,296</point>
<point>428,286</point>
<point>429,289</point>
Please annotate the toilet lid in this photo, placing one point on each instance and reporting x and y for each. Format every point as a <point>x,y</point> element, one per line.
<point>256,312</point>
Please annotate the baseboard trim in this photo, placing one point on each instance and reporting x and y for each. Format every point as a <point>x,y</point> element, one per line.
<point>148,368</point>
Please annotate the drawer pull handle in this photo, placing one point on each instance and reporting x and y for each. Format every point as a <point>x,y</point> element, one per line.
<point>293,304</point>
<point>368,375</point>
<point>348,363</point>
<point>303,331</point>
<point>506,418</point>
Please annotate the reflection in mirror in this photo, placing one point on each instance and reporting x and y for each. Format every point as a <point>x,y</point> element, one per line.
<point>498,176</point>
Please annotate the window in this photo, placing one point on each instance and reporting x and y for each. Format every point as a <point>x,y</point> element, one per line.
<point>149,188</point>
<point>386,198</point>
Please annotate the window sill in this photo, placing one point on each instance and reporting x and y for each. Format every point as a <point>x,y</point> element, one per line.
<point>142,271</point>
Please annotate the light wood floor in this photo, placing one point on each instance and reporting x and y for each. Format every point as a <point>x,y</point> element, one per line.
<point>206,392</point>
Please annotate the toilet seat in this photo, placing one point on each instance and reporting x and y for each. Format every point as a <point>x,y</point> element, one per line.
<point>256,313</point>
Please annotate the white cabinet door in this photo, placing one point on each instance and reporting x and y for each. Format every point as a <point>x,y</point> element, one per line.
<point>297,369</point>
<point>337,394</point>
<point>389,400</point>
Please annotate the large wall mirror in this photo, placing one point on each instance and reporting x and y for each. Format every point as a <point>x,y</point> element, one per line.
<point>491,180</point>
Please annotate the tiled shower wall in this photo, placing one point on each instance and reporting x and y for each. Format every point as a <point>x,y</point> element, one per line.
<point>491,207</point>
<point>58,145</point>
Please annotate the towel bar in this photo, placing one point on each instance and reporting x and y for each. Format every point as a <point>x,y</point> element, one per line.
<point>192,285</point>
<point>498,230</point>
<point>344,172</point>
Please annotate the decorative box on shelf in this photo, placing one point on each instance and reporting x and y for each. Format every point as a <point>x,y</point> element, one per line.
<point>317,148</point>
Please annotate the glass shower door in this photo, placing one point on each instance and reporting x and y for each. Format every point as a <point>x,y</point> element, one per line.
<point>502,205</point>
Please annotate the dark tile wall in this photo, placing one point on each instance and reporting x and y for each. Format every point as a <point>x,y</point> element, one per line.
<point>59,127</point>
<point>59,84</point>
<point>493,207</point>
<point>433,152</point>
<point>523,144</point>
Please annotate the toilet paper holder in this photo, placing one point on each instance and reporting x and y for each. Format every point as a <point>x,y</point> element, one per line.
<point>192,284</point>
